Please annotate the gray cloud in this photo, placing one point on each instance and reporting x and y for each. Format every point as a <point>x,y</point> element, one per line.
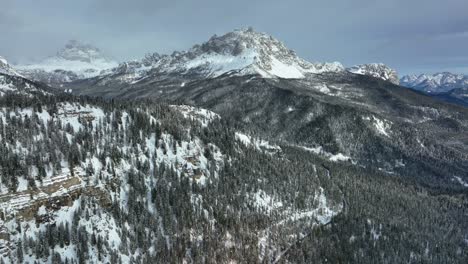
<point>411,36</point>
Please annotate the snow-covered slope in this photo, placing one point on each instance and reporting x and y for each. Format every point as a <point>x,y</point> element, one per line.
<point>239,52</point>
<point>377,70</point>
<point>75,61</point>
<point>6,68</point>
<point>12,83</point>
<point>435,83</point>
<point>17,85</point>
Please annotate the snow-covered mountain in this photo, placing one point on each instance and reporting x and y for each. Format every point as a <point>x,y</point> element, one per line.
<point>240,52</point>
<point>435,83</point>
<point>234,169</point>
<point>75,61</point>
<point>6,68</point>
<point>377,70</point>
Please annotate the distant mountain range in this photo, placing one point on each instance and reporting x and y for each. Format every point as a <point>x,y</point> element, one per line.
<point>445,86</point>
<point>241,52</point>
<point>435,83</point>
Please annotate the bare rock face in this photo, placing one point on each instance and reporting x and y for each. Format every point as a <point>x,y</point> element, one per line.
<point>377,70</point>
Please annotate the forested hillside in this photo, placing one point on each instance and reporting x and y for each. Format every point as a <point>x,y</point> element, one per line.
<point>91,181</point>
<point>85,180</point>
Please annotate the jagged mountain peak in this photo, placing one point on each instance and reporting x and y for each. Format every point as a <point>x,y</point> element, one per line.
<point>267,55</point>
<point>235,42</point>
<point>241,52</point>
<point>377,70</point>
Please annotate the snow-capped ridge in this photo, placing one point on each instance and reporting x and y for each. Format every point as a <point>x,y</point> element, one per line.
<point>435,83</point>
<point>377,70</point>
<point>240,52</point>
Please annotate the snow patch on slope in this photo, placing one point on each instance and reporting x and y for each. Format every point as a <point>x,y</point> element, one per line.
<point>283,70</point>
<point>381,126</point>
<point>195,113</point>
<point>258,144</point>
<point>332,157</point>
<point>461,181</point>
<point>263,202</point>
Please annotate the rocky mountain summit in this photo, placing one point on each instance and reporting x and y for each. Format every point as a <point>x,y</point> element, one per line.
<point>241,52</point>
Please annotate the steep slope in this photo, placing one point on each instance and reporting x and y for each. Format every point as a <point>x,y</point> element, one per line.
<point>15,84</point>
<point>435,83</point>
<point>377,70</point>
<point>6,68</point>
<point>75,61</point>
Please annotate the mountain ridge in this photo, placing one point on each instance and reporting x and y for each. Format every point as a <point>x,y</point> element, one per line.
<point>240,52</point>
<point>435,83</point>
<point>377,70</point>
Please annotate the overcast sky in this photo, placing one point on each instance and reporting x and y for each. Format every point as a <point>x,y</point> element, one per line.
<point>411,36</point>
